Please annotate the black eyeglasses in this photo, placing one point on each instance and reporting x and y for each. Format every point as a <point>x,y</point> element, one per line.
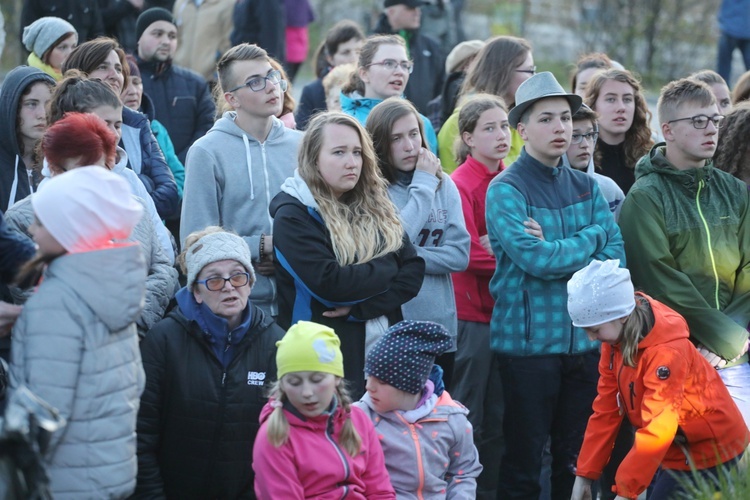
<point>217,283</point>
<point>590,137</point>
<point>701,121</point>
<point>392,64</point>
<point>259,82</point>
<point>531,71</point>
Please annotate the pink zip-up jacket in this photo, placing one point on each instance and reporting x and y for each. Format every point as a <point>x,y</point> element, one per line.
<point>312,464</point>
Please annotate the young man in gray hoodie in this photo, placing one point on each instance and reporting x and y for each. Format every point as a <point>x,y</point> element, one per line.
<point>233,172</point>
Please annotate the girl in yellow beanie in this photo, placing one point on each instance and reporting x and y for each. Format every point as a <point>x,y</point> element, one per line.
<point>312,442</point>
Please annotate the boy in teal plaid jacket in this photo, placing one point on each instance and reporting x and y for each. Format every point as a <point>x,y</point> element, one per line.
<point>545,222</point>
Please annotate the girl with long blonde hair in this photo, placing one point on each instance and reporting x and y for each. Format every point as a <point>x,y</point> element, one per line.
<point>344,260</point>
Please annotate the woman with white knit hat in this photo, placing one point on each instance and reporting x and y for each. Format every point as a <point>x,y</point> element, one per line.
<point>75,343</point>
<point>50,40</point>
<point>687,425</point>
<point>207,364</point>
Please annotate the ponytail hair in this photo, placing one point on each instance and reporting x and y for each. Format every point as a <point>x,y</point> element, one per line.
<point>636,327</point>
<point>349,439</point>
<point>468,118</point>
<point>277,429</point>
<point>76,93</point>
<point>31,272</point>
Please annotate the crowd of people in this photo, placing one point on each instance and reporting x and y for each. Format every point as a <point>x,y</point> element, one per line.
<point>438,275</point>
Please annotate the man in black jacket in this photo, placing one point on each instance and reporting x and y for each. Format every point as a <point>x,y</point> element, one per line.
<point>181,97</point>
<point>403,17</point>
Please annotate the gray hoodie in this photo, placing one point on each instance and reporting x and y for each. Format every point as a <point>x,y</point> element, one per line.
<point>230,179</point>
<point>432,217</point>
<point>611,191</point>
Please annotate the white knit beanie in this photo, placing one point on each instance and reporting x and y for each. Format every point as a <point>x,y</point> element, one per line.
<point>599,293</point>
<point>86,208</point>
<point>215,247</point>
<point>39,36</point>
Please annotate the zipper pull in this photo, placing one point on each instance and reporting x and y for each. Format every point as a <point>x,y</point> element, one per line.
<point>223,378</point>
<point>229,342</point>
<point>612,359</point>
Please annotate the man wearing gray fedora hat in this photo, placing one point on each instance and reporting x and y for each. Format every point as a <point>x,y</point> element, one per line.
<point>545,222</point>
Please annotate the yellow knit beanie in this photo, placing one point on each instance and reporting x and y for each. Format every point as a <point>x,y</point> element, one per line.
<point>309,347</point>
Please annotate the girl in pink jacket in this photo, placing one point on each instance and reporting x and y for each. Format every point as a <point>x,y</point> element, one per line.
<point>312,442</point>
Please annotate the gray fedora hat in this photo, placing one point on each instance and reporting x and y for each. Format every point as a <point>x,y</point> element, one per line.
<point>538,87</point>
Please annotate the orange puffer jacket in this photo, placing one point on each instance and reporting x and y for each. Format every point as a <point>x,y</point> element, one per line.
<point>677,402</point>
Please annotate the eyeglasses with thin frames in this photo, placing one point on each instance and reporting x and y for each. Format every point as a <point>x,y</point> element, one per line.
<point>217,283</point>
<point>392,64</point>
<point>531,71</point>
<point>590,137</point>
<point>258,83</point>
<point>701,121</point>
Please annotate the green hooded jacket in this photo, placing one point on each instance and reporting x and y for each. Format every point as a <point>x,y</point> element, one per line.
<point>687,242</point>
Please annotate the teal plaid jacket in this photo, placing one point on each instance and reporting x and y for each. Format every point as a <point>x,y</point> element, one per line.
<point>529,286</point>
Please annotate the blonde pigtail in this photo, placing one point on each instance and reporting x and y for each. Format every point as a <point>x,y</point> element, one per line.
<point>350,439</point>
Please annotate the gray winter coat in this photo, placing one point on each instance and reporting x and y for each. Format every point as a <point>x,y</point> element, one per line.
<point>161,283</point>
<point>75,346</point>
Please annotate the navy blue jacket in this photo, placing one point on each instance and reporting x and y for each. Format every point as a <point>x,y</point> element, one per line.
<point>15,250</point>
<point>262,22</point>
<point>182,100</point>
<point>146,159</point>
<point>312,101</point>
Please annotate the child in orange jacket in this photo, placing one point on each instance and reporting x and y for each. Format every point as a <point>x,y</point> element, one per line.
<point>651,373</point>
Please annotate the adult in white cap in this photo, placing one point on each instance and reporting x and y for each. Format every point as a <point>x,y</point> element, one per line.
<point>544,222</point>
<point>456,65</point>
<point>212,355</point>
<point>687,425</point>
<point>75,343</point>
<point>50,40</point>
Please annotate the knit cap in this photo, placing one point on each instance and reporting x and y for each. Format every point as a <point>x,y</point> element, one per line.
<point>309,347</point>
<point>39,36</point>
<point>599,293</point>
<point>214,247</point>
<point>404,355</point>
<point>86,208</point>
<point>461,53</point>
<point>149,17</point>
<point>133,66</point>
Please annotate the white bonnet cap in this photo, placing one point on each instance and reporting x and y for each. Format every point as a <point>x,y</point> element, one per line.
<point>214,247</point>
<point>599,293</point>
<point>86,208</point>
